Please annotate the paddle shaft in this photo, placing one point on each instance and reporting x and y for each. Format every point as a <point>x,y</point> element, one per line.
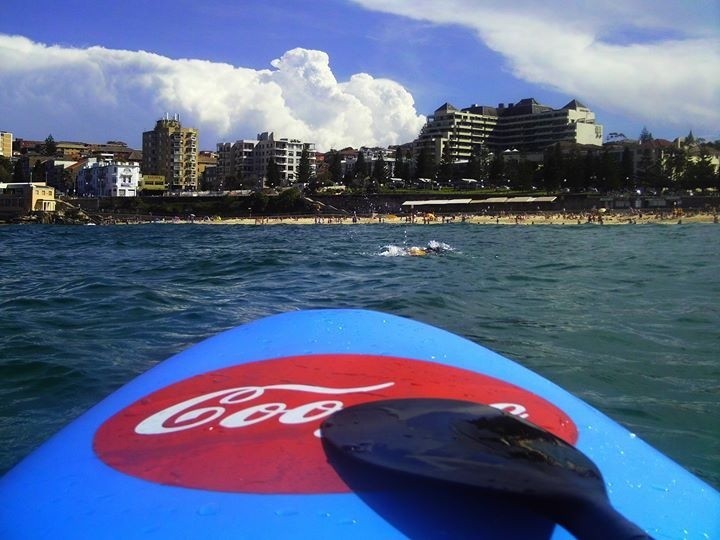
<point>594,519</point>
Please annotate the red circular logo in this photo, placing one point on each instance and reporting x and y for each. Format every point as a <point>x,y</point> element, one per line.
<point>254,428</point>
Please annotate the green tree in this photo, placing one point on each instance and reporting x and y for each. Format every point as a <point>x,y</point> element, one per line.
<point>654,177</point>
<point>399,166</point>
<point>471,168</point>
<point>645,136</point>
<point>304,171</point>
<point>38,172</point>
<point>608,173</point>
<point>590,172</point>
<point>335,166</point>
<point>6,169</point>
<point>425,167</point>
<point>445,171</point>
<point>288,200</point>
<point>512,173</point>
<point>553,168</point>
<point>272,174</point>
<point>572,178</point>
<point>477,166</point>
<point>313,185</point>
<point>323,176</point>
<point>68,182</point>
<point>645,166</point>
<point>379,172</point>
<point>700,172</point>
<point>50,146</point>
<point>526,173</point>
<point>496,173</point>
<point>19,171</point>
<point>258,201</point>
<point>673,166</point>
<point>403,167</point>
<point>360,167</point>
<point>232,183</point>
<point>627,169</point>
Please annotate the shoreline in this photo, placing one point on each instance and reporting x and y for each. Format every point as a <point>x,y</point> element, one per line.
<point>623,217</point>
<point>526,219</point>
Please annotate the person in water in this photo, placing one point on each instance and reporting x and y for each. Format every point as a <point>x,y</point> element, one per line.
<point>420,251</point>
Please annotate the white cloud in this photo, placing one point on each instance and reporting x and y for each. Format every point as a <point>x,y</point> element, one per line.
<point>652,60</point>
<point>97,93</point>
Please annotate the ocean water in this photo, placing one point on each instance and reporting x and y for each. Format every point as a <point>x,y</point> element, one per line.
<point>626,317</point>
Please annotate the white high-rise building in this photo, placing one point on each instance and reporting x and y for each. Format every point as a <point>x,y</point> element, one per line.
<point>285,152</point>
<point>525,126</point>
<point>249,159</point>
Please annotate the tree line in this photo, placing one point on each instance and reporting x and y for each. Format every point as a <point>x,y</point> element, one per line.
<point>623,166</point>
<point>614,167</point>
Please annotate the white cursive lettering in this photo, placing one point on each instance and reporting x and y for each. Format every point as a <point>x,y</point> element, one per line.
<point>512,408</point>
<point>186,414</point>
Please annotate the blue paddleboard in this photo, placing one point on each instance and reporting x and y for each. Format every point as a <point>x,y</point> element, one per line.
<point>223,441</point>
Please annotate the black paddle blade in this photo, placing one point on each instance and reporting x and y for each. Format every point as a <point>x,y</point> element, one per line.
<point>463,443</point>
<point>473,446</point>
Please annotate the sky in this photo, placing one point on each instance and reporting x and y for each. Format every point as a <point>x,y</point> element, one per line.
<point>350,72</point>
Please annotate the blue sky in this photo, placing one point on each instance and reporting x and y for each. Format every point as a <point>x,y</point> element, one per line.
<point>350,73</point>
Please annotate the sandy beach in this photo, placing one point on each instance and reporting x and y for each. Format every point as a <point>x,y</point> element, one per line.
<point>522,219</point>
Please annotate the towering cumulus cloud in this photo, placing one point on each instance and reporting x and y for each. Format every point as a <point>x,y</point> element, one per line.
<point>96,93</point>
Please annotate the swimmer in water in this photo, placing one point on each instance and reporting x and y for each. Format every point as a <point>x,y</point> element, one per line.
<point>419,252</point>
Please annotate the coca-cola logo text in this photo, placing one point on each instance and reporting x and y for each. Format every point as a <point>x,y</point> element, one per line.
<point>184,415</point>
<point>254,427</point>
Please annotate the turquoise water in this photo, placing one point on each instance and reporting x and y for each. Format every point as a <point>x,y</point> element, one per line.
<point>627,318</point>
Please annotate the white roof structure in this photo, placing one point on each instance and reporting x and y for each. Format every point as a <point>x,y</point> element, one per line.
<point>520,199</point>
<point>498,200</point>
<point>492,200</point>
<point>437,202</point>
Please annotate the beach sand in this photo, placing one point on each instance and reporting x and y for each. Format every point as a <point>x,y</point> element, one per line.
<point>524,219</point>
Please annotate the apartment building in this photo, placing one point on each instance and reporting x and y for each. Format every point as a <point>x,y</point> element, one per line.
<point>371,155</point>
<point>249,159</point>
<point>463,131</point>
<point>526,126</point>
<point>286,154</point>
<point>235,159</point>
<point>529,126</point>
<point>171,150</point>
<point>6,144</point>
<point>100,178</point>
